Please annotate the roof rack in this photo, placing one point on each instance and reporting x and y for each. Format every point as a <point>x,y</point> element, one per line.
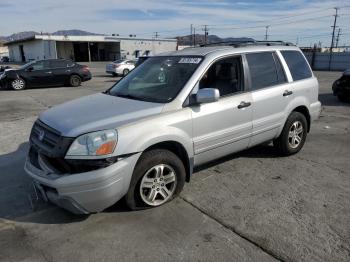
<point>249,43</point>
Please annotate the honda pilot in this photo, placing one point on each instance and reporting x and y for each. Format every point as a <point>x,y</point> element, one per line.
<point>141,139</point>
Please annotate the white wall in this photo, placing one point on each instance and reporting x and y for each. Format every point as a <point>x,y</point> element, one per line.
<point>33,50</point>
<point>154,46</point>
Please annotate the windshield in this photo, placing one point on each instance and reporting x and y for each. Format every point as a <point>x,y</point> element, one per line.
<point>158,79</point>
<point>27,64</point>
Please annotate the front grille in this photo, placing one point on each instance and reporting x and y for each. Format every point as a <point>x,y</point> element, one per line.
<point>51,137</point>
<point>49,141</point>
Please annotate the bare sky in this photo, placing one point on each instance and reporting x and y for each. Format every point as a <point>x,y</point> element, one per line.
<point>289,20</point>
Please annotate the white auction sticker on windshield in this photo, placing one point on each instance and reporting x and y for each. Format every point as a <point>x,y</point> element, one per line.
<point>190,60</point>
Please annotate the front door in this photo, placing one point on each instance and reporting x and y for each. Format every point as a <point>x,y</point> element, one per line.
<point>40,74</point>
<point>225,126</point>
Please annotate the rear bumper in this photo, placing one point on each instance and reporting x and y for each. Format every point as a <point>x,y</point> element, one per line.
<point>87,192</point>
<point>315,110</point>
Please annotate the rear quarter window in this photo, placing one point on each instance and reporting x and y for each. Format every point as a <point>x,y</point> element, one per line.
<point>297,64</point>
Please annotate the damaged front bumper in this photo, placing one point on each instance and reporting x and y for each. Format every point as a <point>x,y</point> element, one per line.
<point>83,193</point>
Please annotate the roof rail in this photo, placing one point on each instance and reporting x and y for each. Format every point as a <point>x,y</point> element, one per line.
<point>248,43</point>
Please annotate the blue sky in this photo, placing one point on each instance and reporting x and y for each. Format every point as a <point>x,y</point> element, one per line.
<point>291,20</point>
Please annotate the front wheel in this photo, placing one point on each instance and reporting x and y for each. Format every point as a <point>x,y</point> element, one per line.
<point>75,81</point>
<point>159,176</point>
<point>18,84</point>
<point>293,135</point>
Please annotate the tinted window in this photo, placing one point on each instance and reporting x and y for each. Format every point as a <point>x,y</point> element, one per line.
<point>40,65</point>
<point>224,75</point>
<point>264,71</point>
<point>58,63</point>
<point>297,64</point>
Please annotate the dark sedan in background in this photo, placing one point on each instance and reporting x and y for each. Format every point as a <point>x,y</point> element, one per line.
<point>341,87</point>
<point>39,73</point>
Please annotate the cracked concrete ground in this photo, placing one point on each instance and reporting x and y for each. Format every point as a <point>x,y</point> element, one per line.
<point>250,206</point>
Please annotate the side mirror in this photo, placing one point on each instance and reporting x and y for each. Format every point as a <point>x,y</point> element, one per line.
<point>207,95</point>
<point>30,69</point>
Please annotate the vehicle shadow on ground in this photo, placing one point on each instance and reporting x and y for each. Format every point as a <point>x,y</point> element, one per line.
<point>17,198</point>
<point>330,100</point>
<point>15,186</point>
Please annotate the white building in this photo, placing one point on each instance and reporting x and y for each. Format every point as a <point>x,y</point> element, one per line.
<point>86,48</point>
<point>4,51</point>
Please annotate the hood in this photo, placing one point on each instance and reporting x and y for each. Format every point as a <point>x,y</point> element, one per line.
<point>96,112</point>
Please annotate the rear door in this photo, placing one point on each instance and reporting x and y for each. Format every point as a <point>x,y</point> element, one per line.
<point>60,71</point>
<point>269,89</point>
<point>225,126</point>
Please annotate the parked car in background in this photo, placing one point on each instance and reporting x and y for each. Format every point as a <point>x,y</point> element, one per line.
<point>120,67</point>
<point>341,87</point>
<point>5,59</point>
<point>52,72</point>
<point>142,138</point>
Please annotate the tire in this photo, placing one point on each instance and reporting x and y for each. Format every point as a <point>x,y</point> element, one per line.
<point>125,72</point>
<point>293,135</point>
<point>74,80</point>
<point>18,84</point>
<point>343,98</point>
<point>114,74</point>
<point>146,184</point>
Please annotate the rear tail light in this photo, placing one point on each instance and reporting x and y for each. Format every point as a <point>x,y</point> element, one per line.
<point>116,65</point>
<point>86,69</point>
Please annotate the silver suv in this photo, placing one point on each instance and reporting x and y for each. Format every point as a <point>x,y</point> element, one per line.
<point>142,138</point>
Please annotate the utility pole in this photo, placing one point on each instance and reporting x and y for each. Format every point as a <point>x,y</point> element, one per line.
<point>191,35</point>
<point>194,36</point>
<point>338,36</point>
<point>156,35</point>
<point>206,33</point>
<point>333,34</point>
<point>266,32</point>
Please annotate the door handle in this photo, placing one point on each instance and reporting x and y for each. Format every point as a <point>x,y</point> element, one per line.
<point>49,72</point>
<point>287,93</point>
<point>243,104</point>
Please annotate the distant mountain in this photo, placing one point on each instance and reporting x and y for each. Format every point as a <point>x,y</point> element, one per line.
<point>186,40</point>
<point>73,32</point>
<point>27,34</point>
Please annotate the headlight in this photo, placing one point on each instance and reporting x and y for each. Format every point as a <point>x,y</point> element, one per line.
<point>2,76</point>
<point>94,144</point>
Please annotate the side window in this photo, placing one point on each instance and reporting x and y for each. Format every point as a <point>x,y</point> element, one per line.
<point>265,70</point>
<point>40,65</point>
<point>58,64</point>
<point>297,64</point>
<point>226,75</point>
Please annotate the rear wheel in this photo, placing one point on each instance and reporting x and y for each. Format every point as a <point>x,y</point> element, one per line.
<point>18,84</point>
<point>75,80</point>
<point>125,72</point>
<point>293,135</point>
<point>159,176</point>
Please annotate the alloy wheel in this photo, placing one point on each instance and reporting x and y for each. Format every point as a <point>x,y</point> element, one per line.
<point>295,135</point>
<point>17,84</point>
<point>158,185</point>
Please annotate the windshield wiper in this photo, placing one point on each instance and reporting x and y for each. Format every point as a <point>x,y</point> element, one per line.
<point>128,96</point>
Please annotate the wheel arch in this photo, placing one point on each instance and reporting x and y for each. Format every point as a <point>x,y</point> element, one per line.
<point>305,111</point>
<point>178,149</point>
